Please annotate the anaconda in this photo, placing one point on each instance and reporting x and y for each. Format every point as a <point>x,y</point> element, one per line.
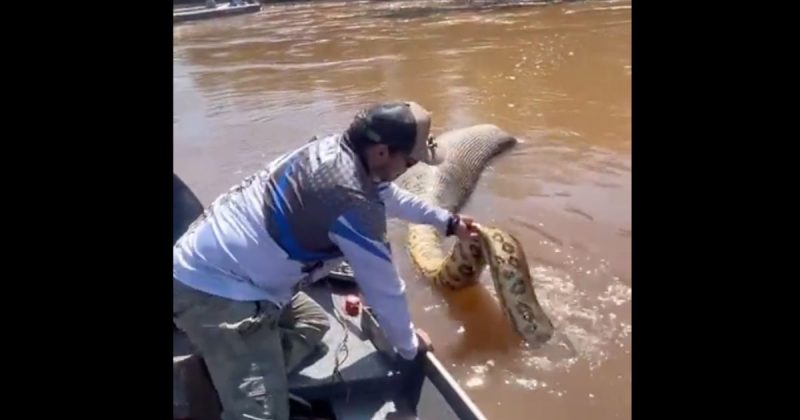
<point>466,153</point>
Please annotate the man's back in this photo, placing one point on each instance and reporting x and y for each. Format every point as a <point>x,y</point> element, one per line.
<point>310,189</point>
<point>259,239</point>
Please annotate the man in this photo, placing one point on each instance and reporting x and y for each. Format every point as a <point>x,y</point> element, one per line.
<point>237,269</point>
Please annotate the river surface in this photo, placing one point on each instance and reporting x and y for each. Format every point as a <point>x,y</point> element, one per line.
<point>558,77</point>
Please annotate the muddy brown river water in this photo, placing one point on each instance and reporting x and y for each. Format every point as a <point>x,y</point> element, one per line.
<point>558,77</point>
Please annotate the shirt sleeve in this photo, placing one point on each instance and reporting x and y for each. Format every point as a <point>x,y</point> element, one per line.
<point>361,236</point>
<point>404,205</point>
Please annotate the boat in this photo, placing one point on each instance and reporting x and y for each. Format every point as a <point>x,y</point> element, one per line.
<point>357,377</point>
<point>187,13</point>
<point>186,207</point>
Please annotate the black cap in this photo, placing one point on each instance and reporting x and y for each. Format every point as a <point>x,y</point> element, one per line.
<point>401,125</point>
<point>392,124</point>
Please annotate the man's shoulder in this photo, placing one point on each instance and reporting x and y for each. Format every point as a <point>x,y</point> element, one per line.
<point>335,166</point>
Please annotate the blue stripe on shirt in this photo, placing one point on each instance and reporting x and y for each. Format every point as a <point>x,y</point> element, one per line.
<point>344,231</point>
<point>286,239</point>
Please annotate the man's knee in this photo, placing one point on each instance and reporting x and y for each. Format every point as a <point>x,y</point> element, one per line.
<point>314,327</point>
<point>317,318</point>
<point>308,318</point>
<point>323,325</point>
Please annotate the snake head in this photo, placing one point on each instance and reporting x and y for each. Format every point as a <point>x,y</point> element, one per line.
<point>544,333</point>
<point>537,329</point>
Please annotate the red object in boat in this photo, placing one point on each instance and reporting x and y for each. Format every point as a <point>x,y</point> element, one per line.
<point>352,305</point>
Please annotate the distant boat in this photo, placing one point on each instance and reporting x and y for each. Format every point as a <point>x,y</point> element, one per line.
<point>356,378</point>
<point>187,13</point>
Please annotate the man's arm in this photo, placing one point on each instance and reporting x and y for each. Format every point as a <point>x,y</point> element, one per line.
<point>360,235</point>
<point>404,205</point>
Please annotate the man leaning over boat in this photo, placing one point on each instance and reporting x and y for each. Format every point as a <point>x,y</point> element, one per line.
<point>238,268</point>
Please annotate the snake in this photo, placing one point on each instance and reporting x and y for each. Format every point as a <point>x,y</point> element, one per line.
<point>467,151</point>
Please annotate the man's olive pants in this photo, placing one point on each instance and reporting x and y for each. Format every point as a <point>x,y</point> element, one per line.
<point>249,347</point>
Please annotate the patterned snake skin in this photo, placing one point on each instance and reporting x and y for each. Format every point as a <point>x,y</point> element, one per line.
<point>468,150</point>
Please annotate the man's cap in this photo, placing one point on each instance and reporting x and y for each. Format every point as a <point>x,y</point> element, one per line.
<point>405,126</point>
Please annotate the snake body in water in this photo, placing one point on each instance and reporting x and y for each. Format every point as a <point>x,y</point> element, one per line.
<point>448,185</point>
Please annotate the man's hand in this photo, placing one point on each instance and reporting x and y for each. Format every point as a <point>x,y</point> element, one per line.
<point>425,343</point>
<point>465,231</point>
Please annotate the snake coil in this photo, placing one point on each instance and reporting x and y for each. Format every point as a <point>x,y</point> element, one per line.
<point>448,185</point>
